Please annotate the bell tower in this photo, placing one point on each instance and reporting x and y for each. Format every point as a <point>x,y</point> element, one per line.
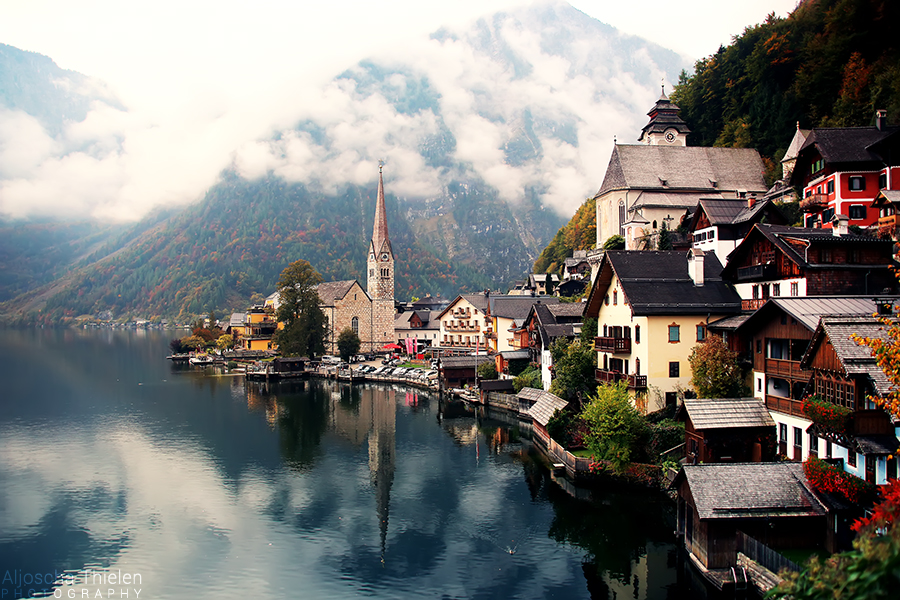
<point>380,282</point>
<point>665,128</point>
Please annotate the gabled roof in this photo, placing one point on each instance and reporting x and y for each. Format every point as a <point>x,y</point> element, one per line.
<point>727,413</point>
<point>479,301</point>
<point>796,143</point>
<point>674,200</point>
<point>237,319</point>
<point>657,283</point>
<point>886,198</point>
<point>807,310</point>
<point>842,145</point>
<point>663,116</point>
<point>517,307</point>
<point>329,291</point>
<point>687,168</point>
<point>566,310</point>
<point>781,237</point>
<point>461,362</point>
<point>545,405</point>
<point>751,490</point>
<point>856,359</point>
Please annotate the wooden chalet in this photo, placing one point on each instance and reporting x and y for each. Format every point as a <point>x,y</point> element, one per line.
<point>545,405</point>
<point>772,503</point>
<point>777,336</point>
<point>887,203</point>
<point>719,225</point>
<point>727,430</point>
<point>774,261</point>
<point>545,324</point>
<point>457,371</point>
<point>844,373</point>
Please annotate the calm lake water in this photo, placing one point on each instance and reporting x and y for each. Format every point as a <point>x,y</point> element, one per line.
<point>122,473</point>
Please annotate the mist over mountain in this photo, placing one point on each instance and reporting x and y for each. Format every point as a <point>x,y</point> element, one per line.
<point>492,136</point>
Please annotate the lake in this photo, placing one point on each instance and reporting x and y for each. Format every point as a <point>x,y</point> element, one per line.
<point>121,473</point>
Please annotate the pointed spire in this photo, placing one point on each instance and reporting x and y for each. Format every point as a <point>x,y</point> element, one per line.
<point>380,233</point>
<point>662,95</point>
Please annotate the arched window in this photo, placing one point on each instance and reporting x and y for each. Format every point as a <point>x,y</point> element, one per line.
<point>637,366</point>
<point>354,325</point>
<point>654,224</point>
<point>622,218</point>
<point>615,297</point>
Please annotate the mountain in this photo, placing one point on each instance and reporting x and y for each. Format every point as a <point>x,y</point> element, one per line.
<point>491,137</point>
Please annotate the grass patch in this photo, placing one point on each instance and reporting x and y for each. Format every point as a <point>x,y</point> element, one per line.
<point>801,555</point>
<point>583,453</point>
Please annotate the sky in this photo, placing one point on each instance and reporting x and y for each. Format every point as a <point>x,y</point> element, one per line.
<point>202,78</point>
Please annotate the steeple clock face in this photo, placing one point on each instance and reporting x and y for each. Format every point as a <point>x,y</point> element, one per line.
<point>670,136</point>
<point>384,256</point>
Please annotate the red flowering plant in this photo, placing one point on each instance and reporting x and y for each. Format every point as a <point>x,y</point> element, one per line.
<point>827,478</point>
<point>884,514</point>
<point>829,416</point>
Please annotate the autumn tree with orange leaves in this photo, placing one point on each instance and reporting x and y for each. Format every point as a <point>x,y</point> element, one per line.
<point>886,350</point>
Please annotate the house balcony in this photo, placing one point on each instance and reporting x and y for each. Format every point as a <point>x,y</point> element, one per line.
<point>613,345</point>
<point>755,272</point>
<point>635,382</point>
<point>888,221</point>
<point>814,203</point>
<point>787,369</point>
<point>754,304</point>
<point>463,328</point>
<point>785,406</point>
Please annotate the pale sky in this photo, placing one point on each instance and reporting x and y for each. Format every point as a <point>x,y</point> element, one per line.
<point>203,77</point>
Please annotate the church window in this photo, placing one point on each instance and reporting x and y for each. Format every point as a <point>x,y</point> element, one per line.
<point>621,218</point>
<point>654,224</point>
<point>354,325</point>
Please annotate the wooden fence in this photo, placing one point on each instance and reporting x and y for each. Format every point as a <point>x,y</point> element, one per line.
<point>575,465</point>
<point>770,559</point>
<point>504,401</point>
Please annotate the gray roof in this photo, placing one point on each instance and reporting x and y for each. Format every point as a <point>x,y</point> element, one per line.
<point>237,319</point>
<point>855,358</point>
<point>712,170</point>
<point>681,201</point>
<point>515,354</point>
<point>728,323</point>
<point>841,145</point>
<point>329,291</point>
<point>727,413</point>
<point>459,362</point>
<point>518,307</point>
<point>751,490</point>
<point>877,444</point>
<point>809,309</point>
<point>566,309</point>
<point>546,404</point>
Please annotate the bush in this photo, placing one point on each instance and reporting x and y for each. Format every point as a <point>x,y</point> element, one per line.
<point>487,370</point>
<point>663,436</point>
<point>827,478</point>
<point>530,377</point>
<point>616,430</point>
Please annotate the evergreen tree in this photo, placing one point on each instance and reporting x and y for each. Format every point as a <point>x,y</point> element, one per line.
<point>665,237</point>
<point>348,344</point>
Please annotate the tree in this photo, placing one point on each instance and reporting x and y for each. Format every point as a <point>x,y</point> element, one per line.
<point>665,237</point>
<point>530,377</point>
<point>305,324</point>
<point>714,369</point>
<point>616,429</point>
<point>348,344</point>
<point>224,342</point>
<point>614,242</point>
<point>573,369</point>
<point>487,370</point>
<point>871,571</point>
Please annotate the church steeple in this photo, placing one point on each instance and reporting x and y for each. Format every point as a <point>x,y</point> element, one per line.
<point>665,128</point>
<point>380,283</point>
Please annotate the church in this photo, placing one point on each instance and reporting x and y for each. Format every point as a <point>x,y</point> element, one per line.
<point>368,312</point>
<point>661,179</point>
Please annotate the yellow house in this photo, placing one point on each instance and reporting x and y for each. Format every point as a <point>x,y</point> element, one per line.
<point>652,308</point>
<point>465,325</point>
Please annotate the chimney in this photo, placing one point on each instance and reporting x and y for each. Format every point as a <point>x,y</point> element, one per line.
<point>840,225</point>
<point>751,201</point>
<point>695,266</point>
<point>880,119</point>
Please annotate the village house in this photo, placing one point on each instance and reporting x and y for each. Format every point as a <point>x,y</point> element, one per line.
<point>459,371</point>
<point>887,203</point>
<point>419,326</point>
<point>506,314</point>
<point>777,336</point>
<point>718,226</point>
<point>727,430</point>
<point>775,261</point>
<point>842,169</point>
<point>662,179</point>
<point>545,324</point>
<point>773,503</point>
<point>464,324</point>
<point>845,374</point>
<point>652,308</point>
<point>257,330</point>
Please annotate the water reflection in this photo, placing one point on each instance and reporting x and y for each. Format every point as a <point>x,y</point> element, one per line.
<point>212,487</point>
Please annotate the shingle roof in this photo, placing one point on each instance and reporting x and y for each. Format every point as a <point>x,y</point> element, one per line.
<point>515,354</point>
<point>727,413</point>
<point>657,282</point>
<point>237,319</point>
<point>744,490</point>
<point>728,323</point>
<point>518,307</point>
<point>329,291</point>
<point>684,167</point>
<point>846,144</point>
<point>566,309</point>
<point>653,199</point>
<point>458,362</point>
<point>545,405</point>
<point>855,358</point>
<point>809,309</point>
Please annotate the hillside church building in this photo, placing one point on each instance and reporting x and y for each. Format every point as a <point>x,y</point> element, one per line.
<point>368,312</point>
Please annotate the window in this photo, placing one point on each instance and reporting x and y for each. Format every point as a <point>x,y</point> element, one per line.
<point>795,289</point>
<point>813,444</point>
<point>605,331</point>
<point>759,346</point>
<point>637,334</point>
<point>826,255</point>
<point>622,219</point>
<point>827,215</point>
<point>354,325</point>
<point>882,181</point>
<point>759,384</point>
<point>857,184</point>
<point>615,297</point>
<point>606,300</point>
<point>674,369</point>
<point>776,289</point>
<point>637,366</point>
<point>798,437</point>
<point>829,187</point>
<point>857,211</point>
<point>712,234</point>
<point>755,292</point>
<point>828,449</point>
<point>701,333</point>
<point>853,256</point>
<point>851,457</point>
<point>654,224</point>
<point>674,334</point>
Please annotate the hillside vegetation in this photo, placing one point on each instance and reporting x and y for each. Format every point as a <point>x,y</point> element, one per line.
<point>580,233</point>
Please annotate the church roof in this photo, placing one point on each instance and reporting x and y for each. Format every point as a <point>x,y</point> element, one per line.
<point>663,116</point>
<point>380,237</point>
<point>329,291</point>
<point>684,168</point>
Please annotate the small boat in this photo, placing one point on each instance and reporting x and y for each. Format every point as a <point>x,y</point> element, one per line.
<point>201,360</point>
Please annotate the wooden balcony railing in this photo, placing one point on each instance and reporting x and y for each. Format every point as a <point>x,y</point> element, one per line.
<point>635,382</point>
<point>754,304</point>
<point>613,344</point>
<point>814,203</point>
<point>785,368</point>
<point>888,221</point>
<point>785,405</point>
